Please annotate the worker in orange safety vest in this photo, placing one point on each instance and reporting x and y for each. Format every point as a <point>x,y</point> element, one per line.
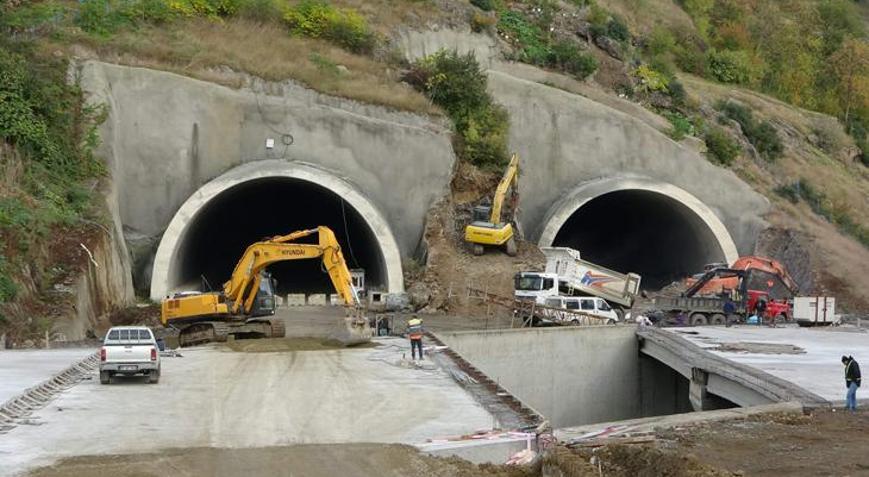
<point>414,332</point>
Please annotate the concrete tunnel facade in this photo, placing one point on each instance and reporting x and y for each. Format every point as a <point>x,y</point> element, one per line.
<point>198,226</point>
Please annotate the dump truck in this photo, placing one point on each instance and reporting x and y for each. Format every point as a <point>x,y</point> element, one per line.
<point>491,225</point>
<point>734,304</point>
<point>242,308</point>
<point>567,274</point>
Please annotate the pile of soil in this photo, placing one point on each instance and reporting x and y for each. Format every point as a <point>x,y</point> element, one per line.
<point>272,345</point>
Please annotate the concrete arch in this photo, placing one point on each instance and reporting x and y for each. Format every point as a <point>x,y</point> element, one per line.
<point>164,274</point>
<point>562,211</point>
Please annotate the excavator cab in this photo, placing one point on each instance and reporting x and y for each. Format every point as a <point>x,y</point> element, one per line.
<point>265,304</point>
<point>481,213</point>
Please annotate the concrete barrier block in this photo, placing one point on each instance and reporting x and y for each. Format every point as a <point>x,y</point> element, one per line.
<point>317,299</point>
<point>295,299</point>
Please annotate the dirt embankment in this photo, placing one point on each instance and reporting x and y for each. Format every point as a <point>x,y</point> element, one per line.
<point>450,266</point>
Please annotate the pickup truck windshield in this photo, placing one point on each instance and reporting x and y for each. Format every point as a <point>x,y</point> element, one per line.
<point>528,283</point>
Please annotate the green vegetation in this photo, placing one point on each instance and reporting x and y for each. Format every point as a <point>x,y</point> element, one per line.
<point>837,214</point>
<point>721,148</point>
<point>810,53</point>
<point>682,125</point>
<point>47,136</point>
<point>456,83</point>
<point>538,48</point>
<point>317,19</point>
<point>761,134</point>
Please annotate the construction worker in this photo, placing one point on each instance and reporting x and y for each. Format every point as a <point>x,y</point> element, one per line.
<point>414,332</point>
<point>760,310</point>
<point>852,382</point>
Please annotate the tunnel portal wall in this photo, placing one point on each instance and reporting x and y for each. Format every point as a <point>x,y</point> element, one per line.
<point>167,135</point>
<point>575,375</point>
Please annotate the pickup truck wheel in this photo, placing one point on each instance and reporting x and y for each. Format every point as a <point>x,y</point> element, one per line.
<point>718,319</point>
<point>698,319</point>
<point>154,377</point>
<point>105,377</point>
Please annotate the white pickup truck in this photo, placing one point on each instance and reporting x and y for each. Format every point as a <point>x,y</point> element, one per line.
<point>128,351</point>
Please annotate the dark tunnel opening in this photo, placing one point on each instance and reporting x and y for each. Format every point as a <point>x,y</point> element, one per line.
<point>218,235</point>
<point>643,232</point>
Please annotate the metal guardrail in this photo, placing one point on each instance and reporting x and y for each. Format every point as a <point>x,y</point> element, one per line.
<point>527,311</point>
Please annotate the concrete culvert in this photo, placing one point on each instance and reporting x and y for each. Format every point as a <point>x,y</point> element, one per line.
<point>211,230</point>
<point>658,231</point>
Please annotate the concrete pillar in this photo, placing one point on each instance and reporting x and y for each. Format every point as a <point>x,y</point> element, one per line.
<point>700,401</point>
<point>317,299</point>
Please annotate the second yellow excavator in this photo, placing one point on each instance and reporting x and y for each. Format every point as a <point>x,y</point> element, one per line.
<point>243,307</point>
<point>487,227</point>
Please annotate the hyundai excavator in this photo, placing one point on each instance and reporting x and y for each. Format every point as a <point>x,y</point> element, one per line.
<point>242,307</point>
<point>487,227</point>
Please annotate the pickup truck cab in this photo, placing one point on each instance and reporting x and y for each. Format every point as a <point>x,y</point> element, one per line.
<point>129,351</point>
<point>589,305</point>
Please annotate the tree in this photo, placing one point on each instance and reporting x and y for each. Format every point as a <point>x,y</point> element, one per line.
<point>850,64</point>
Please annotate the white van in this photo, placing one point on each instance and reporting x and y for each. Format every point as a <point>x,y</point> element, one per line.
<point>587,304</point>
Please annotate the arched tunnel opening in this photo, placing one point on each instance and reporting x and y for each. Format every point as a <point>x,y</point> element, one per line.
<point>218,234</point>
<point>641,231</point>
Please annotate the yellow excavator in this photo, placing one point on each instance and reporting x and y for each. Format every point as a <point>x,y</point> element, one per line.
<point>487,227</point>
<point>243,307</point>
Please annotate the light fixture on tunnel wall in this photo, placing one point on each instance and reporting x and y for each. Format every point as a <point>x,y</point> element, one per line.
<point>270,143</point>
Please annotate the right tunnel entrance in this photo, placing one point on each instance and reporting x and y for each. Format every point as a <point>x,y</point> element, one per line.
<point>641,231</point>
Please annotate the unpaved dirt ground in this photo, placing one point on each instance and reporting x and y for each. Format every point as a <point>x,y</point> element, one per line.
<point>273,345</point>
<point>315,460</point>
<point>823,443</point>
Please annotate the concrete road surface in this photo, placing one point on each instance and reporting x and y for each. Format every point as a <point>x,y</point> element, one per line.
<point>22,369</point>
<point>213,397</point>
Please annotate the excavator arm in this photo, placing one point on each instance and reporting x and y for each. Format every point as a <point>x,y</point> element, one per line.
<point>242,287</point>
<point>510,179</point>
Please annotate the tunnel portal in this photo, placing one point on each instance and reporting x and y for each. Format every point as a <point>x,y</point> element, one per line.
<point>653,229</point>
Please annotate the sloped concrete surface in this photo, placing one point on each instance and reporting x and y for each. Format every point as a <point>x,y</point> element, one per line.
<point>20,370</point>
<point>213,397</point>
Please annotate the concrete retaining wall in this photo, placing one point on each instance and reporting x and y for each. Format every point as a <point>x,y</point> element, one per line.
<point>572,375</point>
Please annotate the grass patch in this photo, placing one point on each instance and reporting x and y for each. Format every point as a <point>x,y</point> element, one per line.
<point>721,148</point>
<point>836,213</point>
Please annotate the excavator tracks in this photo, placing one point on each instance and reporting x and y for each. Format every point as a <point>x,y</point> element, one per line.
<point>219,331</point>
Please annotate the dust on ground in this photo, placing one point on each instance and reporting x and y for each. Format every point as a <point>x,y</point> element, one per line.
<point>274,345</point>
<point>309,460</point>
<point>825,442</point>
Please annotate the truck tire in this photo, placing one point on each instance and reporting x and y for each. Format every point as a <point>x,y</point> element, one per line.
<point>477,249</point>
<point>698,319</point>
<point>105,377</point>
<point>154,377</point>
<point>511,248</point>
<point>718,319</point>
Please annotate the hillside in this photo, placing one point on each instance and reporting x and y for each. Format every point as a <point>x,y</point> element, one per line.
<point>704,72</point>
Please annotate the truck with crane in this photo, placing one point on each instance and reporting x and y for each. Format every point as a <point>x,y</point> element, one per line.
<point>567,274</point>
<point>242,308</point>
<point>488,227</point>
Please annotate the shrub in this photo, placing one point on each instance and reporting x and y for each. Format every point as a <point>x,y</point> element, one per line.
<point>651,80</point>
<point>8,289</point>
<point>691,59</point>
<point>485,5</point>
<point>728,66</point>
<point>567,56</point>
<point>677,92</point>
<point>762,135</point>
<point>32,15</point>
<point>837,213</point>
<point>660,42</point>
<point>344,27</point>
<point>104,17</point>
<point>456,83</point>
<point>262,11</point>
<point>617,29</point>
<point>721,148</point>
<point>481,22</point>
<point>682,126</point>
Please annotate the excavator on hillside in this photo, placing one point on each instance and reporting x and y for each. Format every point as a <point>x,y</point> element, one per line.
<point>487,227</point>
<point>242,308</point>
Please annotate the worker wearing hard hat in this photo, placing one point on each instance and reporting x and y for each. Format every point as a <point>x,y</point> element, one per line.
<point>414,332</point>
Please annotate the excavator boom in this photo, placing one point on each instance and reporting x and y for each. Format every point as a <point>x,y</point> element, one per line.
<point>510,179</point>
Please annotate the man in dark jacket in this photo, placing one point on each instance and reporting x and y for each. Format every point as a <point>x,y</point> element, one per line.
<point>852,381</point>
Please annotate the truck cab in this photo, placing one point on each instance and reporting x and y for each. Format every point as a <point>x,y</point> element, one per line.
<point>535,286</point>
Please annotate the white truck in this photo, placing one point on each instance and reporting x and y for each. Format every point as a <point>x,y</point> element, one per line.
<point>129,351</point>
<point>815,310</point>
<point>568,275</point>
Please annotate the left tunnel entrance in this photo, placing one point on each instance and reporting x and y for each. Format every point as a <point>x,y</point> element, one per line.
<point>254,210</point>
<point>210,231</point>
